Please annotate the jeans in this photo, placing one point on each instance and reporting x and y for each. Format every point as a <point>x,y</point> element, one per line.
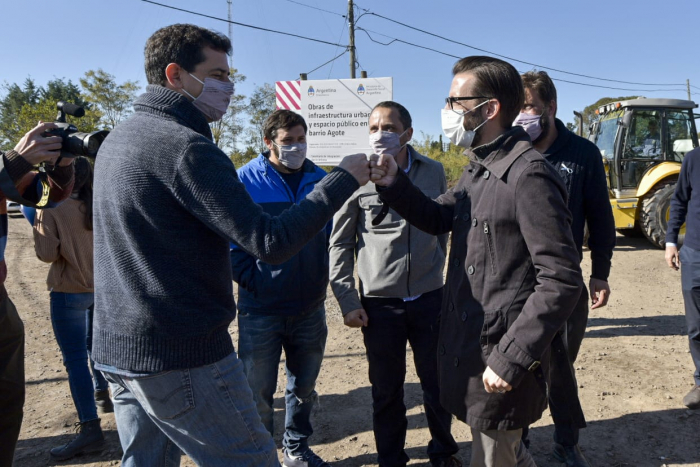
<point>260,343</point>
<point>71,318</point>
<point>690,283</point>
<point>206,412</point>
<point>11,378</point>
<point>393,323</point>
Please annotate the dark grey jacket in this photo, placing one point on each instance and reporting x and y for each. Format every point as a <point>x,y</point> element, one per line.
<point>513,278</point>
<point>167,204</point>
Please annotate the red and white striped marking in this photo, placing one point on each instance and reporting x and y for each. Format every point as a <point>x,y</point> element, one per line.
<point>288,95</point>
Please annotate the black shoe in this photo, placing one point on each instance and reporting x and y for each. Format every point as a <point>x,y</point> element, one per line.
<point>692,399</point>
<point>103,402</point>
<point>571,456</point>
<point>89,439</point>
<point>451,461</point>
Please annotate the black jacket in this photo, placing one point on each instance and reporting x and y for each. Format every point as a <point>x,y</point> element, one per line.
<point>513,278</point>
<point>580,164</point>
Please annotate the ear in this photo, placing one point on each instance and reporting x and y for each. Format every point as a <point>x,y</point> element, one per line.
<point>173,74</point>
<point>409,134</point>
<point>268,143</point>
<point>553,108</point>
<point>492,109</point>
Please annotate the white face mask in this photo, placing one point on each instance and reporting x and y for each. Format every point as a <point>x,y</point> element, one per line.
<point>291,155</point>
<point>386,142</point>
<point>453,127</point>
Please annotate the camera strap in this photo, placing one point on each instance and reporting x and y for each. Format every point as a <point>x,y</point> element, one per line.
<point>8,188</point>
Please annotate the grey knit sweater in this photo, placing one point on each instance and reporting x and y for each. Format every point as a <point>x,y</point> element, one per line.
<point>167,203</point>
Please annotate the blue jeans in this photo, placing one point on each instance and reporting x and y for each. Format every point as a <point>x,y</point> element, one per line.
<point>71,318</point>
<point>206,412</point>
<point>260,343</point>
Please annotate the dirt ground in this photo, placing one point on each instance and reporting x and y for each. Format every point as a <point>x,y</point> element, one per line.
<point>633,371</point>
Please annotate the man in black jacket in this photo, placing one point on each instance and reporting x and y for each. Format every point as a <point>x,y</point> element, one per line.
<point>513,275</point>
<point>580,165</point>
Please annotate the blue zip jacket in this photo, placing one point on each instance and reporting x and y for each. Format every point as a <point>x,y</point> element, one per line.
<point>299,284</point>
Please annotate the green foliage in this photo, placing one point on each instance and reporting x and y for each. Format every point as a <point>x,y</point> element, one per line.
<point>23,107</point>
<point>112,99</point>
<point>260,105</point>
<point>589,113</point>
<point>227,131</point>
<point>453,159</point>
<point>240,159</point>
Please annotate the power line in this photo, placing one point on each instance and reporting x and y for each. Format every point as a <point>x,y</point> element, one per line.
<point>394,39</point>
<point>329,61</point>
<point>512,58</point>
<point>243,25</point>
<point>315,8</point>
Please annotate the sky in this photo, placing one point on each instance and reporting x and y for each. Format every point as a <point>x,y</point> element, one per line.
<point>640,41</point>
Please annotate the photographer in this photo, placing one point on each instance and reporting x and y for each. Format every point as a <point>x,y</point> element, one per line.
<point>20,182</point>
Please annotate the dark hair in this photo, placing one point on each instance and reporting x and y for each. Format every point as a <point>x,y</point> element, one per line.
<point>282,119</point>
<point>498,80</point>
<point>542,84</point>
<point>83,187</point>
<point>404,116</point>
<point>182,44</point>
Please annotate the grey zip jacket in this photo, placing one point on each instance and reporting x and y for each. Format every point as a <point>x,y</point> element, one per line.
<point>394,258</point>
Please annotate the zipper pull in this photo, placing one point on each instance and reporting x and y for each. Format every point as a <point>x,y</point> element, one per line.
<point>486,227</point>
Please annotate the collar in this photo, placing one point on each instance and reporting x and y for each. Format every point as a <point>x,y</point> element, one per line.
<point>563,137</point>
<point>504,150</point>
<point>163,102</point>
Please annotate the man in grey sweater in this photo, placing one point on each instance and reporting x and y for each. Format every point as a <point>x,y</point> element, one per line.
<point>400,270</point>
<point>167,204</point>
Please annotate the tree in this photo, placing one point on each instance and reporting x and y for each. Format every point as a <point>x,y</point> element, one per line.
<point>260,105</point>
<point>227,131</point>
<point>23,107</point>
<point>111,99</point>
<point>589,112</point>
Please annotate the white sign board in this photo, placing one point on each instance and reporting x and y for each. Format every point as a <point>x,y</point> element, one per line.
<point>337,113</point>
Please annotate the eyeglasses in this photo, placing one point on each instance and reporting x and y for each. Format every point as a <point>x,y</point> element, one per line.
<point>450,101</point>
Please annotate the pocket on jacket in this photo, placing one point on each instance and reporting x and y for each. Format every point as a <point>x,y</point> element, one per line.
<point>372,206</point>
<point>165,396</point>
<point>493,329</point>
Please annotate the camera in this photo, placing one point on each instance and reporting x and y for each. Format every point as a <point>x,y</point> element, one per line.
<point>75,142</point>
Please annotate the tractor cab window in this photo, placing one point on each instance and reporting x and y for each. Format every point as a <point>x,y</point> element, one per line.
<point>643,139</point>
<point>680,135</point>
<point>607,130</point>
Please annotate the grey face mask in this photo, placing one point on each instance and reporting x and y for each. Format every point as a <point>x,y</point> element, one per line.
<point>291,155</point>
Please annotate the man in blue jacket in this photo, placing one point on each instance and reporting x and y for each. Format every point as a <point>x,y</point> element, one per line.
<point>685,207</point>
<point>282,306</point>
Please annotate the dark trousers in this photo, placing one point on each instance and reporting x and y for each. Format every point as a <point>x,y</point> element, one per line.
<point>690,282</point>
<point>393,323</point>
<point>11,378</point>
<point>564,403</point>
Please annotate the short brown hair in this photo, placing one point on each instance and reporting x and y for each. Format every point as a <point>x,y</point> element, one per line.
<point>498,80</point>
<point>282,119</point>
<point>182,44</point>
<point>542,84</point>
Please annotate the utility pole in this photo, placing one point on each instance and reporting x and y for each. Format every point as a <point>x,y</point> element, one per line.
<point>351,30</point>
<point>230,33</point>
<point>687,84</point>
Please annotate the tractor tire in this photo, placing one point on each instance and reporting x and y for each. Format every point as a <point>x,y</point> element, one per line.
<point>654,213</point>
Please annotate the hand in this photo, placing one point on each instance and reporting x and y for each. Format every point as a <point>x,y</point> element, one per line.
<point>383,169</point>
<point>600,292</point>
<point>35,148</point>
<point>672,258</point>
<point>358,166</point>
<point>494,383</point>
<point>356,318</point>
